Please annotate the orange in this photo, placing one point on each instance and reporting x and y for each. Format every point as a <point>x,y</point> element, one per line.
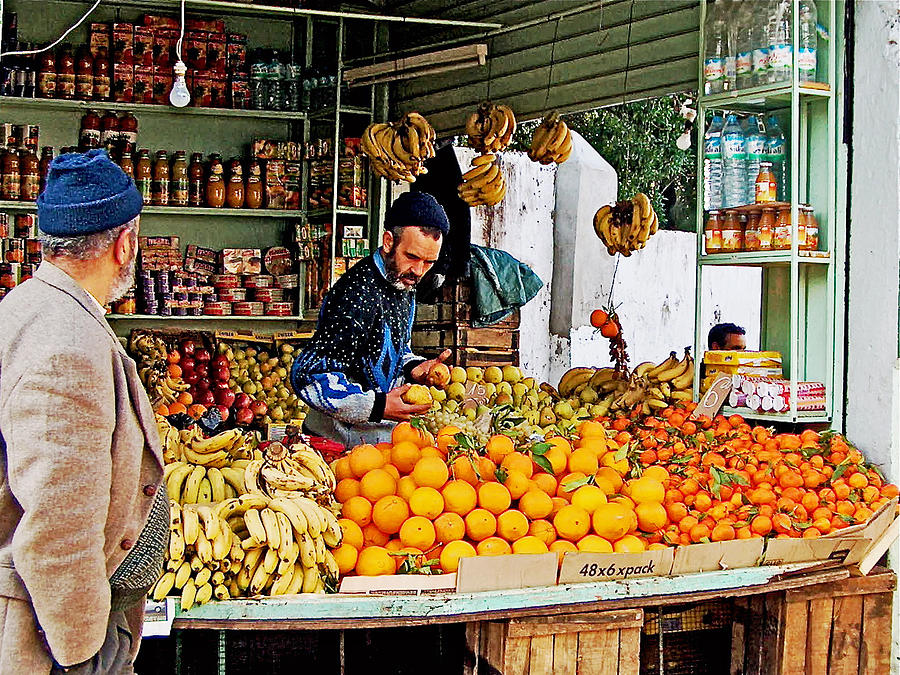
<point>562,546</point>
<point>565,482</point>
<point>404,456</point>
<point>446,439</point>
<point>353,534</point>
<point>431,472</point>
<point>462,468</point>
<point>546,483</point>
<point>358,509</point>
<point>486,469</point>
<point>364,458</point>
<point>418,532</point>
<point>657,546</point>
<point>372,536</point>
<point>400,559</point>
<point>761,525</point>
<point>346,488</point>
<point>560,443</point>
<point>407,432</point>
<point>498,447</point>
<point>453,552</point>
<point>426,501</point>
<point>647,490</point>
<point>608,459</point>
<point>536,504</point>
<point>517,484</point>
<point>345,556</point>
<point>375,561</point>
<point>196,411</point>
<point>449,527</point>
<point>341,468</point>
<point>393,470</point>
<point>722,532</point>
<point>376,484</point>
<point>162,409</point>
<point>529,544</point>
<point>657,473</point>
<point>610,474</point>
<point>558,460</point>
<point>493,546</point>
<point>459,497</point>
<point>480,524</point>
<point>591,543</point>
<point>516,461</point>
<point>512,525</point>
<point>494,497</point>
<point>385,449</point>
<point>406,486</point>
<point>612,521</point>
<point>583,460</point>
<point>558,503</point>
<point>651,516</point>
<point>174,370</point>
<point>185,398</point>
<point>175,408</point>
<point>629,544</point>
<point>543,530</point>
<point>389,513</point>
<point>432,452</point>
<point>592,429</point>
<point>572,522</point>
<point>588,497</point>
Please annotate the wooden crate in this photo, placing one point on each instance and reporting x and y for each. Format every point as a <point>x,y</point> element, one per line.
<point>839,628</point>
<point>451,336</point>
<point>472,356</point>
<point>594,643</point>
<point>457,313</point>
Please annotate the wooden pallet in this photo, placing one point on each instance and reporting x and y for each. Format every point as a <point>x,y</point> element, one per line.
<point>839,628</point>
<point>593,643</point>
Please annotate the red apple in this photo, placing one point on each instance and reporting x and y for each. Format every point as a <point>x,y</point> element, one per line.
<point>187,348</point>
<point>202,355</point>
<point>202,370</point>
<point>221,361</point>
<point>205,398</point>
<point>187,364</point>
<point>243,417</point>
<point>225,397</point>
<point>242,400</point>
<point>222,374</point>
<point>259,408</point>
<point>202,385</point>
<point>191,377</point>
<point>223,412</point>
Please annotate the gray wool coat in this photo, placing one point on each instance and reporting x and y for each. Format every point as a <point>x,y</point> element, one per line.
<point>80,462</point>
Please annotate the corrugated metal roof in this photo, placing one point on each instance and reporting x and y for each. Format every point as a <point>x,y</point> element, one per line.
<point>624,50</point>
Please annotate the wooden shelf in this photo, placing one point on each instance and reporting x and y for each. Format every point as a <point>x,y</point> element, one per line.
<point>146,108</point>
<point>184,211</point>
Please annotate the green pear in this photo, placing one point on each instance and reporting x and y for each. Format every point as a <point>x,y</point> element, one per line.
<point>490,390</point>
<point>503,399</point>
<point>474,374</point>
<point>547,417</point>
<point>588,395</point>
<point>456,391</point>
<point>451,406</point>
<point>458,374</point>
<point>504,388</point>
<point>493,375</point>
<point>564,410</point>
<point>512,374</point>
<point>530,382</point>
<point>439,395</point>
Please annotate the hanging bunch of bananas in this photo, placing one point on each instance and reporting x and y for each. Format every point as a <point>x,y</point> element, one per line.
<point>626,226</point>
<point>552,140</point>
<point>202,559</point>
<point>491,127</point>
<point>483,184</point>
<point>300,471</point>
<point>398,150</point>
<point>152,358</point>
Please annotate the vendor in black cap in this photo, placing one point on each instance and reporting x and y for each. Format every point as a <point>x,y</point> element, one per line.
<point>359,363</point>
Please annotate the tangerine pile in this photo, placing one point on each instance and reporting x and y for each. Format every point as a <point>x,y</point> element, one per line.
<point>628,484</point>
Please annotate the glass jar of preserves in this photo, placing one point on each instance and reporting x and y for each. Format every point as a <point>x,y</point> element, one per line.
<point>215,182</point>
<point>10,176</point>
<point>30,170</point>
<point>159,187</point>
<point>128,131</point>
<point>46,159</point>
<point>766,187</point>
<point>126,163</point>
<point>102,79</point>
<point>46,78</point>
<point>801,227</point>
<point>781,239</point>
<point>143,176</point>
<point>65,73</point>
<point>109,132</point>
<point>89,136</point>
<point>179,180</point>
<point>732,233</point>
<point>812,230</point>
<point>15,251</point>
<point>751,231</point>
<point>84,75</point>
<point>195,180</point>
<point>253,197</point>
<point>713,233</point>
<point>234,192</point>
<point>767,229</point>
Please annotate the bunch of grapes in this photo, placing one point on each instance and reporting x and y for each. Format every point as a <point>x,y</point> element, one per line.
<point>478,430</point>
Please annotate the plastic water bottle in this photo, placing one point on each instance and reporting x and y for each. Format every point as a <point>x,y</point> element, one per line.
<point>759,41</point>
<point>776,153</point>
<point>781,50</point>
<point>730,12</point>
<point>734,163</point>
<point>275,75</point>
<point>744,46</point>
<point>756,151</point>
<point>808,41</point>
<point>258,81</point>
<point>712,164</point>
<point>716,51</point>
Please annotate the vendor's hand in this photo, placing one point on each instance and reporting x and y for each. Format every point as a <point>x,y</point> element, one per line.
<point>420,372</point>
<point>398,410</point>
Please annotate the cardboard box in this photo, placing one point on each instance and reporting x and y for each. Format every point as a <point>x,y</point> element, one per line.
<point>400,584</point>
<point>163,78</point>
<point>155,21</point>
<point>218,90</point>
<point>201,253</point>
<point>522,570</point>
<point>216,53</point>
<point>275,184</point>
<point>123,83</point>
<point>745,358</point>
<point>236,53</point>
<point>99,39</point>
<point>143,84</point>
<point>123,43</point>
<point>194,50</point>
<point>201,94</point>
<point>722,555</point>
<point>238,92</point>
<point>592,567</point>
<point>143,47</point>
<point>164,41</point>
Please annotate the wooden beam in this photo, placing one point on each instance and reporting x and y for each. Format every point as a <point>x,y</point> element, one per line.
<point>422,64</point>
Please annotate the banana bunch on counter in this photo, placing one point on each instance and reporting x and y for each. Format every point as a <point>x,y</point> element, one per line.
<point>483,184</point>
<point>398,150</point>
<point>669,381</point>
<point>190,445</point>
<point>188,483</point>
<point>626,226</point>
<point>152,362</point>
<point>552,140</point>
<point>491,127</point>
<point>283,472</point>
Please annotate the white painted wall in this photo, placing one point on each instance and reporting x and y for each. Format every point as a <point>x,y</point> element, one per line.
<point>873,367</point>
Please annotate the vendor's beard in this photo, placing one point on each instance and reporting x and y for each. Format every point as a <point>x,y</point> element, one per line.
<point>124,281</point>
<point>393,275</point>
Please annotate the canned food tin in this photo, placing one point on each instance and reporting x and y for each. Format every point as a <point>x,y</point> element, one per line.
<point>233,294</point>
<point>278,261</point>
<point>248,308</point>
<point>26,226</point>
<point>287,281</point>
<point>226,281</point>
<point>217,308</point>
<point>268,294</point>
<point>279,308</point>
<point>259,281</point>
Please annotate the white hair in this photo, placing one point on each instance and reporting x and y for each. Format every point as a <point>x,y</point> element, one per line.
<point>84,247</point>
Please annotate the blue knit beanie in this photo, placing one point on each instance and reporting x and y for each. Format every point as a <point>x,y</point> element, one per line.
<point>417,208</point>
<point>86,193</point>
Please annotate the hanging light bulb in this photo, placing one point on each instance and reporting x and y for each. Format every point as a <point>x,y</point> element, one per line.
<point>689,114</point>
<point>180,96</point>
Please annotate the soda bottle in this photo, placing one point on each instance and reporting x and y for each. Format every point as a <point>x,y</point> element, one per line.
<point>734,162</point>
<point>775,153</point>
<point>756,152</point>
<point>716,49</point>
<point>807,43</point>
<point>712,164</point>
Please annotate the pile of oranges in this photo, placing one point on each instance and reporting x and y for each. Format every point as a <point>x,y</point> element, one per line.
<point>627,484</point>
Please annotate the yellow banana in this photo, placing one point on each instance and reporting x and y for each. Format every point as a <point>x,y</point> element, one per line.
<point>664,366</point>
<point>259,580</point>
<point>177,478</point>
<point>251,561</point>
<point>211,524</point>
<point>676,370</point>
<point>190,524</point>
<point>307,548</point>
<point>294,513</point>
<point>270,525</point>
<point>204,594</point>
<point>686,379</point>
<point>202,577</point>
<point>216,484</point>
<point>196,564</point>
<point>310,579</point>
<point>219,458</point>
<point>311,510</point>
<point>255,526</point>
<point>220,592</point>
<point>476,171</point>
<point>192,485</point>
<point>296,580</point>
<point>203,548</point>
<point>685,395</point>
<point>276,479</point>
<point>333,534</point>
<point>183,574</point>
<point>331,566</point>
<point>204,494</point>
<point>286,535</point>
<point>251,476</point>
<point>234,476</point>
<point>163,586</point>
<point>188,595</point>
<point>221,544</point>
<point>282,581</point>
<point>176,544</point>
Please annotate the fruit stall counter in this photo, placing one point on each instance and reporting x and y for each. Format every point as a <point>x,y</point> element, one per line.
<point>612,617</point>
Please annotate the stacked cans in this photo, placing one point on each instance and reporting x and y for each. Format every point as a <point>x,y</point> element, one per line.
<point>20,250</point>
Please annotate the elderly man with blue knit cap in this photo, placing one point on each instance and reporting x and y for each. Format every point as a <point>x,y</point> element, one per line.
<point>357,367</point>
<point>83,516</point>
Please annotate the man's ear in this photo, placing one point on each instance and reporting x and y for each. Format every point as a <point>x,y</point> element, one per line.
<point>122,248</point>
<point>387,241</point>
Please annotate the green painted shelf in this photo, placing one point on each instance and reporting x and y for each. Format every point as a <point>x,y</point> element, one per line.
<point>341,211</point>
<point>328,113</point>
<point>760,96</point>
<point>183,211</point>
<point>145,108</point>
<point>764,258</point>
